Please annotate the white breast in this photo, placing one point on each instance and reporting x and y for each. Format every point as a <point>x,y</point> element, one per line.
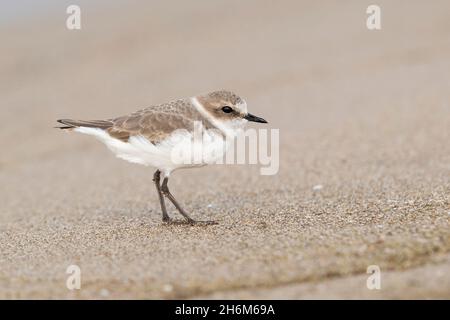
<point>179,150</point>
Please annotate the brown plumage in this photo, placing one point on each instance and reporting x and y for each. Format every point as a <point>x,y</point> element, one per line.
<point>154,123</point>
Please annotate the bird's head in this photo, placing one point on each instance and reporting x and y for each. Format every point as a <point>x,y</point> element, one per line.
<point>227,108</point>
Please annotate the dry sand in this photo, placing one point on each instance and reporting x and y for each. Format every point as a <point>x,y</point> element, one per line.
<point>363,113</point>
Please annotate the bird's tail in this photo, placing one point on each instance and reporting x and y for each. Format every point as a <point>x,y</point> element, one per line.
<point>72,124</point>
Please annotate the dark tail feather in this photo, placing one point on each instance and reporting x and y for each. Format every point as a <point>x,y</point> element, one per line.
<point>70,124</point>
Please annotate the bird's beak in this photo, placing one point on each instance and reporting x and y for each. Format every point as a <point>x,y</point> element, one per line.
<point>253,118</point>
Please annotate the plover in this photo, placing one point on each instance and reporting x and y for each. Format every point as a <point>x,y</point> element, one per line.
<point>149,136</point>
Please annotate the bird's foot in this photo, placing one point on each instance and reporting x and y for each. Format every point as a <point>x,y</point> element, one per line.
<point>192,222</point>
<point>202,222</point>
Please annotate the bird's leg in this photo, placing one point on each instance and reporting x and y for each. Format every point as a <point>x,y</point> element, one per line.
<point>166,192</point>
<point>157,180</point>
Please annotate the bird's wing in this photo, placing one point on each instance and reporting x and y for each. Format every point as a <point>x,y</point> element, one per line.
<point>70,123</point>
<point>155,123</point>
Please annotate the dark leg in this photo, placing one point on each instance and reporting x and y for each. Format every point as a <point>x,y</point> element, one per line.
<point>166,192</point>
<point>157,179</point>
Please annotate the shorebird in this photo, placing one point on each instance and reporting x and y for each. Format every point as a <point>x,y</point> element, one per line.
<point>150,136</point>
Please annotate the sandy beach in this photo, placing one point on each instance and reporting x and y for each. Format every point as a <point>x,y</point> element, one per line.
<point>364,172</point>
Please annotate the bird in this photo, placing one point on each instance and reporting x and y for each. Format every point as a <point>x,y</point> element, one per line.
<point>151,135</point>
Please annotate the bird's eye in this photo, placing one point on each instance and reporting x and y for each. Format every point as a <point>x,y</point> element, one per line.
<point>227,109</point>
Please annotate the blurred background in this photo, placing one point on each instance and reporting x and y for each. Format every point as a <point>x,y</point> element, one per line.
<point>364,178</point>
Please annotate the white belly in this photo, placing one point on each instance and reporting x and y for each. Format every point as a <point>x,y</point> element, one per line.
<point>179,150</point>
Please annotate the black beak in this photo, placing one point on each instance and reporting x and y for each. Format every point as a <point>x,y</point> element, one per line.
<point>253,118</point>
